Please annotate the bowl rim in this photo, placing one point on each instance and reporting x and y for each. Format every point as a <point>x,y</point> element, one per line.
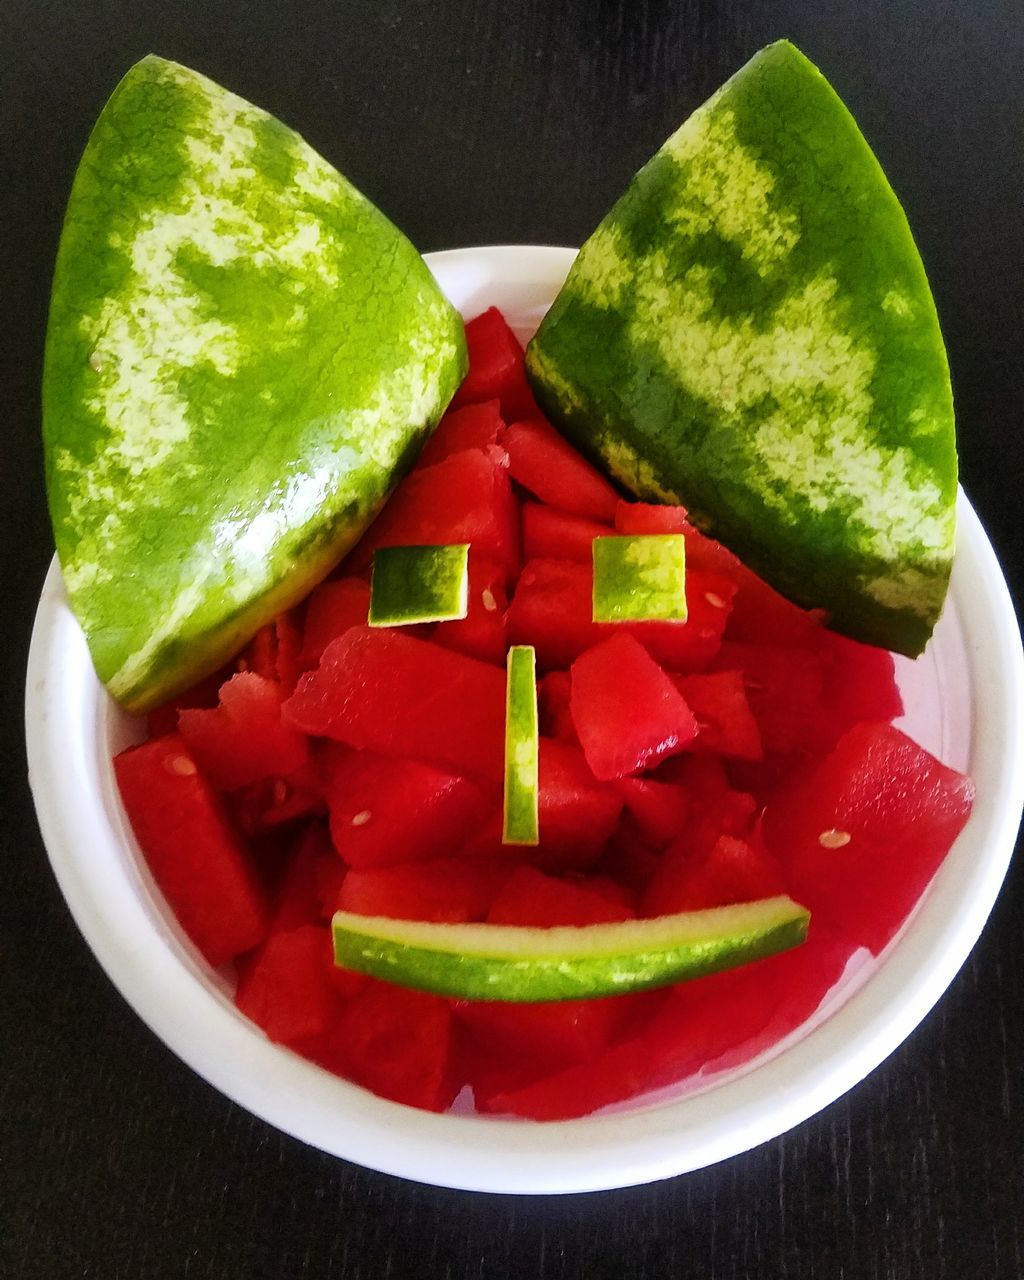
<point>161,976</point>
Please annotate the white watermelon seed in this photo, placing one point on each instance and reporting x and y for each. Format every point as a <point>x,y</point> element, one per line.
<point>362,818</point>
<point>833,839</point>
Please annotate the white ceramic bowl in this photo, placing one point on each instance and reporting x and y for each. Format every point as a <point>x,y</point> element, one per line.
<point>964,702</point>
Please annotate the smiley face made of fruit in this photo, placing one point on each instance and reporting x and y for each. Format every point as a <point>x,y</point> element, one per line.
<point>566,744</point>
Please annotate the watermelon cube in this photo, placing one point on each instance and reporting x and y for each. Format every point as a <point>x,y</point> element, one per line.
<point>466,497</point>
<point>474,426</point>
<point>553,610</point>
<point>627,712</point>
<point>385,810</point>
<point>529,897</point>
<point>719,702</point>
<point>547,1035</point>
<point>496,367</point>
<point>245,738</point>
<point>553,693</point>
<point>784,689</point>
<point>481,633</point>
<point>545,463</point>
<point>732,870</point>
<point>448,890</point>
<point>332,608</point>
<point>398,1043</point>
<point>274,651</point>
<point>195,854</point>
<point>285,988</point>
<point>388,692</point>
<point>658,809</point>
<point>552,534</point>
<point>862,834</point>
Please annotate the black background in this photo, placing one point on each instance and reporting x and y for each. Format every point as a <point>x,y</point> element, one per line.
<point>475,123</point>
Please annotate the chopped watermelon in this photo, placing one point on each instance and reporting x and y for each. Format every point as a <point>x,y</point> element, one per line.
<point>398,1044</point>
<point>681,766</point>
<point>332,609</point>
<point>784,688</point>
<point>628,713</point>
<point>529,897</point>
<point>389,692</point>
<point>861,836</point>
<point>496,367</point>
<point>475,426</point>
<point>481,633</point>
<point>552,534</point>
<point>464,498</point>
<point>448,890</point>
<point>553,610</point>
<point>245,738</point>
<point>553,693</point>
<point>659,809</point>
<point>295,900</point>
<point>731,870</point>
<point>274,651</point>
<point>385,811</point>
<point>286,988</point>
<point>196,856</point>
<point>576,815</point>
<point>720,705</point>
<point>545,463</point>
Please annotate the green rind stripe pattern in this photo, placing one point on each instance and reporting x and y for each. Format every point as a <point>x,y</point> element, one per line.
<point>419,584</point>
<point>520,820</point>
<point>750,332</point>
<point>640,577</point>
<point>526,965</point>
<point>243,355</point>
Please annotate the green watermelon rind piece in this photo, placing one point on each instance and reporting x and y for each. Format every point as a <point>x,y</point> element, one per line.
<point>521,799</point>
<point>750,332</point>
<point>640,578</point>
<point>528,965</point>
<point>243,357</point>
<point>419,584</point>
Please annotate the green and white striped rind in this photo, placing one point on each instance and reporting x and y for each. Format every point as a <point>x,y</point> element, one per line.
<point>419,584</point>
<point>520,817</point>
<point>243,355</point>
<point>640,577</point>
<point>750,332</point>
<point>503,962</point>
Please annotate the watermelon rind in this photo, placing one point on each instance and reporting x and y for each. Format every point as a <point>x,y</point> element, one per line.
<point>750,332</point>
<point>526,965</point>
<point>243,356</point>
<point>520,813</point>
<point>419,584</point>
<point>640,577</point>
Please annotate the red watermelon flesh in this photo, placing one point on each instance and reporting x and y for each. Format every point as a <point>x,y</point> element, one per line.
<point>481,633</point>
<point>529,897</point>
<point>465,498</point>
<point>245,738</point>
<point>332,609</point>
<point>627,712</point>
<point>379,689</point>
<point>553,692</point>
<point>548,466</point>
<point>659,809</point>
<point>475,426</point>
<point>398,1044</point>
<point>552,534</point>
<point>385,811</point>
<point>862,834</point>
<point>496,367</point>
<point>784,688</point>
<point>450,890</point>
<point>196,856</point>
<point>553,610</point>
<point>286,988</point>
<point>721,708</point>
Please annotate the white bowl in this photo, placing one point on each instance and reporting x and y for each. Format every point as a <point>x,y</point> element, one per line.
<point>964,703</point>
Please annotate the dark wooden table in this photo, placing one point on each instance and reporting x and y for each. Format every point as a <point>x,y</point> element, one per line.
<point>472,123</point>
